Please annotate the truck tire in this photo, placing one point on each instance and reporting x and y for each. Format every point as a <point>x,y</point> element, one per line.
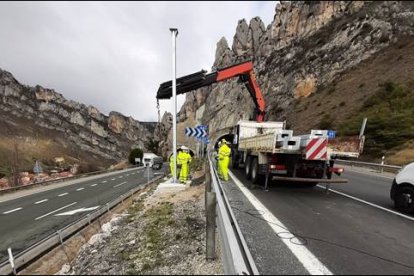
<point>404,199</point>
<point>248,167</point>
<point>256,177</point>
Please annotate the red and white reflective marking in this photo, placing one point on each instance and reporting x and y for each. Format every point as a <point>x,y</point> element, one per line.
<point>317,149</point>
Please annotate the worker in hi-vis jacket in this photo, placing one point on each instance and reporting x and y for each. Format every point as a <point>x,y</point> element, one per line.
<point>223,160</point>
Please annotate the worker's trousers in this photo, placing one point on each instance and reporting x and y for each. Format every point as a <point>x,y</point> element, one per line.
<point>223,168</point>
<point>183,172</point>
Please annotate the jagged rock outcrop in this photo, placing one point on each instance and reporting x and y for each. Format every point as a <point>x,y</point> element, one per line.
<point>109,137</point>
<point>308,45</point>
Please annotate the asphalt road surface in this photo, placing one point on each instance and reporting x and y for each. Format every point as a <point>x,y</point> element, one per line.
<point>27,220</point>
<point>353,229</point>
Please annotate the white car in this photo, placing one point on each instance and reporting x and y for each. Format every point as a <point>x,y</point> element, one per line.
<point>402,190</point>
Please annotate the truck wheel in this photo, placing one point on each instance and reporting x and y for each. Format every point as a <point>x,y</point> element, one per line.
<point>404,199</point>
<point>248,167</point>
<point>256,177</point>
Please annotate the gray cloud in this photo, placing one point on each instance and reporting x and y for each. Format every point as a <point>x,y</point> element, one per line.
<point>114,55</point>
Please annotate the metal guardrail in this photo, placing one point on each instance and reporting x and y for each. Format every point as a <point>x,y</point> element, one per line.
<point>47,182</point>
<point>236,256</point>
<point>379,167</point>
<point>61,235</point>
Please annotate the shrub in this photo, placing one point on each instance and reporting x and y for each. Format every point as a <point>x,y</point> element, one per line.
<point>135,153</point>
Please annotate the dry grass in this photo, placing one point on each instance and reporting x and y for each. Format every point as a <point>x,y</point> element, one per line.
<point>403,156</point>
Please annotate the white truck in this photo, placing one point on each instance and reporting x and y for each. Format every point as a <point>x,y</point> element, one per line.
<point>152,160</point>
<point>268,150</point>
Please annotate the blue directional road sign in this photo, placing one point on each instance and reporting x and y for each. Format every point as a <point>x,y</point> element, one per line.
<point>331,134</point>
<point>195,132</point>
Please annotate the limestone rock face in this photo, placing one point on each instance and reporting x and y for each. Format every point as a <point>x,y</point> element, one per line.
<point>82,127</point>
<point>308,44</point>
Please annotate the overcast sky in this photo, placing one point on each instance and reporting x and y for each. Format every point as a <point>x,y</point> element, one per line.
<point>114,55</point>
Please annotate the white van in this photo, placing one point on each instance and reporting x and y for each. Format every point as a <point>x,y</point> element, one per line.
<point>152,160</point>
<point>402,190</point>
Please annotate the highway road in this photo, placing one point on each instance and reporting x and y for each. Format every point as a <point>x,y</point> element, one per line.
<point>353,229</point>
<point>26,220</point>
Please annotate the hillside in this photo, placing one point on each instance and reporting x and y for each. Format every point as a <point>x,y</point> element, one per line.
<point>40,124</point>
<point>317,62</point>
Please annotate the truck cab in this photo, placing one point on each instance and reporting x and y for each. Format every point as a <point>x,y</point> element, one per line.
<point>152,160</point>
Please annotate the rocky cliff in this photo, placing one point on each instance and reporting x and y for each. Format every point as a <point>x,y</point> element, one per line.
<point>46,125</point>
<point>308,48</point>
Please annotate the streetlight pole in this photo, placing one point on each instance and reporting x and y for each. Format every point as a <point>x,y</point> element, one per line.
<point>174,33</point>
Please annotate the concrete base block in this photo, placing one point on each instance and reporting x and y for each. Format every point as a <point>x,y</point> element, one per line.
<point>169,186</point>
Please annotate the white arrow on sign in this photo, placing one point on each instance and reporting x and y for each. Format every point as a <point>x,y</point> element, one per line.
<point>70,213</point>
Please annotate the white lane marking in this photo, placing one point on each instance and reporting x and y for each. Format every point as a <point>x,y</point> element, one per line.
<point>308,260</point>
<point>11,211</point>
<point>70,213</point>
<point>80,189</point>
<point>57,210</point>
<point>63,194</point>
<point>119,184</point>
<point>41,201</point>
<point>113,179</point>
<point>93,185</point>
<point>127,175</point>
<point>104,181</point>
<point>120,176</point>
<point>158,173</point>
<point>368,203</point>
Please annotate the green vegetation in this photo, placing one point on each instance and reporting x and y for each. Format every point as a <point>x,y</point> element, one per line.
<point>390,113</point>
<point>159,218</point>
<point>135,153</point>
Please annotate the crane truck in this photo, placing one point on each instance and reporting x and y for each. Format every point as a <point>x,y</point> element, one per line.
<point>267,149</point>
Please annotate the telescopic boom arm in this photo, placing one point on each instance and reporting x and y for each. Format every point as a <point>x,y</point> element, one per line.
<point>200,79</point>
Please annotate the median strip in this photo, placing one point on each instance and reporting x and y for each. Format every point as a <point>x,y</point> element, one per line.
<point>11,211</point>
<point>41,201</point>
<point>119,184</point>
<point>57,210</point>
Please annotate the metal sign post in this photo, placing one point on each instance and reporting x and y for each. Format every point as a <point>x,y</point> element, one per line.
<point>174,33</point>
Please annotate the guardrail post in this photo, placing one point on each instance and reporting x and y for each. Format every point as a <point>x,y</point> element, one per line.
<point>208,182</point>
<point>211,226</point>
